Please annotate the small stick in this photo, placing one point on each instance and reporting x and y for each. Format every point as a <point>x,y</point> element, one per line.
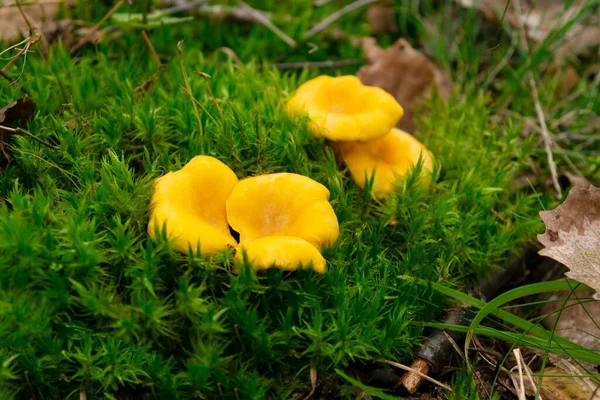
<point>144,86</point>
<point>416,372</point>
<point>539,110</point>
<point>21,131</point>
<point>337,15</point>
<point>233,13</point>
<point>315,64</point>
<point>268,24</point>
<point>84,39</point>
<point>521,384</point>
<point>149,44</point>
<point>30,42</point>
<point>161,67</point>
<point>545,135</point>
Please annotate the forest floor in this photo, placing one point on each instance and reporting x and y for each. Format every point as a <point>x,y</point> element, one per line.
<point>110,96</point>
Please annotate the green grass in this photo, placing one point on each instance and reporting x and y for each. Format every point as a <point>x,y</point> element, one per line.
<point>89,303</point>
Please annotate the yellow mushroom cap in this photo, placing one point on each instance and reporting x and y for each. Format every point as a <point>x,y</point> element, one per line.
<point>391,157</point>
<point>191,202</point>
<point>285,252</point>
<point>343,108</point>
<point>282,205</point>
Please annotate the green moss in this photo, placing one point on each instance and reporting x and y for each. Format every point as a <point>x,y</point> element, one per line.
<point>88,302</point>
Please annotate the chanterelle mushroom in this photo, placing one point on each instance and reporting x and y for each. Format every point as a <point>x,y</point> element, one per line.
<point>391,157</point>
<point>191,202</point>
<point>343,108</point>
<point>285,252</point>
<point>282,204</point>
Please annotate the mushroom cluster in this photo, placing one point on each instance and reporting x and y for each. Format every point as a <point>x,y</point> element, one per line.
<point>283,220</point>
<point>360,121</point>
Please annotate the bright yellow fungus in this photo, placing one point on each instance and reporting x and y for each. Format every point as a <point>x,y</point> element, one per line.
<point>285,252</point>
<point>191,202</point>
<point>391,157</point>
<point>343,108</point>
<point>282,205</point>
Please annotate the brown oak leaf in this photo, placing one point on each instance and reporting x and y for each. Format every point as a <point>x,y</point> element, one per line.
<point>405,73</point>
<point>572,235</point>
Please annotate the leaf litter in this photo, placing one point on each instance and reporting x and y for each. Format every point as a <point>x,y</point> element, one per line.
<point>572,235</point>
<point>407,74</point>
<point>540,18</point>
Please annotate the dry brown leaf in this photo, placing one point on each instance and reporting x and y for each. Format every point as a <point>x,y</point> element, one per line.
<point>381,19</point>
<point>405,73</point>
<point>13,26</point>
<point>15,114</point>
<point>18,112</point>
<point>540,18</point>
<point>572,235</point>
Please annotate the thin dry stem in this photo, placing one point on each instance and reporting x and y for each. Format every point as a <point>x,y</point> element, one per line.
<point>539,110</point>
<point>269,25</point>
<point>520,384</point>
<point>84,39</point>
<point>315,64</point>
<point>149,44</point>
<point>23,132</point>
<point>414,371</point>
<point>337,15</point>
<point>545,135</point>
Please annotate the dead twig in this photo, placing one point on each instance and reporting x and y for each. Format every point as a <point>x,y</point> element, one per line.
<point>519,384</point>
<point>419,373</point>
<point>546,137</point>
<point>269,25</point>
<point>23,132</point>
<point>232,13</point>
<point>315,64</point>
<point>85,38</point>
<point>161,67</point>
<point>337,15</point>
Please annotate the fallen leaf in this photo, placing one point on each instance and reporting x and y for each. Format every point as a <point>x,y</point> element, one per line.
<point>572,235</point>
<point>381,19</point>
<point>13,26</point>
<point>405,73</point>
<point>15,114</point>
<point>540,18</point>
<point>18,112</point>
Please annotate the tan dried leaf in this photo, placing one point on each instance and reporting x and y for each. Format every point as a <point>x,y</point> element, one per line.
<point>572,235</point>
<point>405,73</point>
